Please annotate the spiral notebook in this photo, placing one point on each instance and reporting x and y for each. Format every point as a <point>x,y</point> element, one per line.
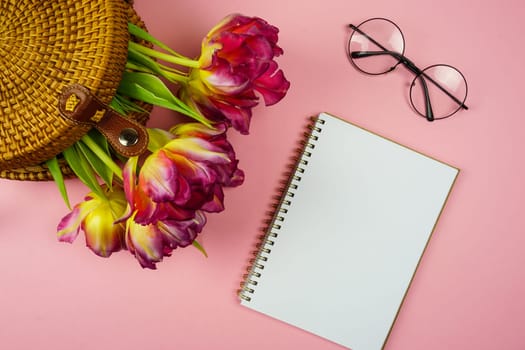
<point>347,234</point>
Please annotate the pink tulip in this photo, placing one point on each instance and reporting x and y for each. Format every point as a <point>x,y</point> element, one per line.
<point>168,194</point>
<point>237,60</point>
<point>184,175</point>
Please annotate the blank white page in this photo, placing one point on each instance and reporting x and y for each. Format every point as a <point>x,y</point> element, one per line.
<point>349,244</point>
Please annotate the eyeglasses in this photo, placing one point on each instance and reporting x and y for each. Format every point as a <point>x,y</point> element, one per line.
<point>377,46</point>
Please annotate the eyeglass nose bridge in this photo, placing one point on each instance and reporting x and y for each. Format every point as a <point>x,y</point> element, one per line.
<point>411,66</point>
<point>401,59</point>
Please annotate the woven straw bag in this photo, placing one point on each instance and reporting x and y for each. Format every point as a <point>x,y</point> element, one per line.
<point>55,56</point>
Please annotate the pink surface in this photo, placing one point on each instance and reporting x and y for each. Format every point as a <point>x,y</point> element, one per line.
<point>469,290</point>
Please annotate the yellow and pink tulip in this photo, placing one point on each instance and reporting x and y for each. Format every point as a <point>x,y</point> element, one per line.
<point>96,216</point>
<point>152,242</point>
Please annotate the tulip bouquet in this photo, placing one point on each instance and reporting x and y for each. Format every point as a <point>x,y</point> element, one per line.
<point>152,204</point>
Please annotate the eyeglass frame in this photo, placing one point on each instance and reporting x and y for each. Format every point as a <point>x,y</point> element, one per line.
<point>410,65</point>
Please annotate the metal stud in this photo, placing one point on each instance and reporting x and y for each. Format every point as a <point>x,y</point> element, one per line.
<point>128,137</point>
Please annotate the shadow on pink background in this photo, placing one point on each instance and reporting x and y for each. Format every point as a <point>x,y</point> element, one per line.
<point>469,290</point>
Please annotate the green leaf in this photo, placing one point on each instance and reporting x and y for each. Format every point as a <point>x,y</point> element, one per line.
<point>200,248</point>
<point>100,149</point>
<point>150,89</point>
<point>82,169</point>
<point>123,106</point>
<point>97,164</point>
<point>99,139</point>
<point>117,106</point>
<point>54,169</point>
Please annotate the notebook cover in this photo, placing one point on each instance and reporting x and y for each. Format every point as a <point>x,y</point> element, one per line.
<point>348,234</point>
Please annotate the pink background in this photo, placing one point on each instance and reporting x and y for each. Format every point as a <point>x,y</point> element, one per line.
<point>470,287</point>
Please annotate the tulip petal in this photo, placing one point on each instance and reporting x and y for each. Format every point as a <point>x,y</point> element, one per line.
<point>145,208</point>
<point>103,237</point>
<point>129,173</point>
<point>223,80</point>
<point>145,242</point>
<point>195,172</point>
<point>198,130</point>
<point>197,149</point>
<point>158,177</point>
<point>272,85</point>
<point>182,233</point>
<point>261,47</point>
<point>103,234</point>
<point>216,204</point>
<point>238,117</point>
<point>183,191</point>
<point>237,178</point>
<point>69,227</point>
<point>169,211</point>
<point>224,24</point>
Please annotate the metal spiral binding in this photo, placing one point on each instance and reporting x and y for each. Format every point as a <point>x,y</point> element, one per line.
<point>277,216</point>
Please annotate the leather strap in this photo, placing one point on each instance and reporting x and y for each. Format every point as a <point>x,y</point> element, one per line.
<point>78,104</point>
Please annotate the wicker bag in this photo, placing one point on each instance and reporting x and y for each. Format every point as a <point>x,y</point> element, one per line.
<point>61,63</point>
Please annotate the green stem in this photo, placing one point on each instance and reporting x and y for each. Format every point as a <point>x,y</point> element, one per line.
<point>102,155</point>
<point>138,68</point>
<point>181,61</point>
<point>173,70</point>
<point>172,75</point>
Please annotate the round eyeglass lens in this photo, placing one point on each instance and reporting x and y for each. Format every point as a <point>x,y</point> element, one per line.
<point>444,86</point>
<point>373,45</point>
